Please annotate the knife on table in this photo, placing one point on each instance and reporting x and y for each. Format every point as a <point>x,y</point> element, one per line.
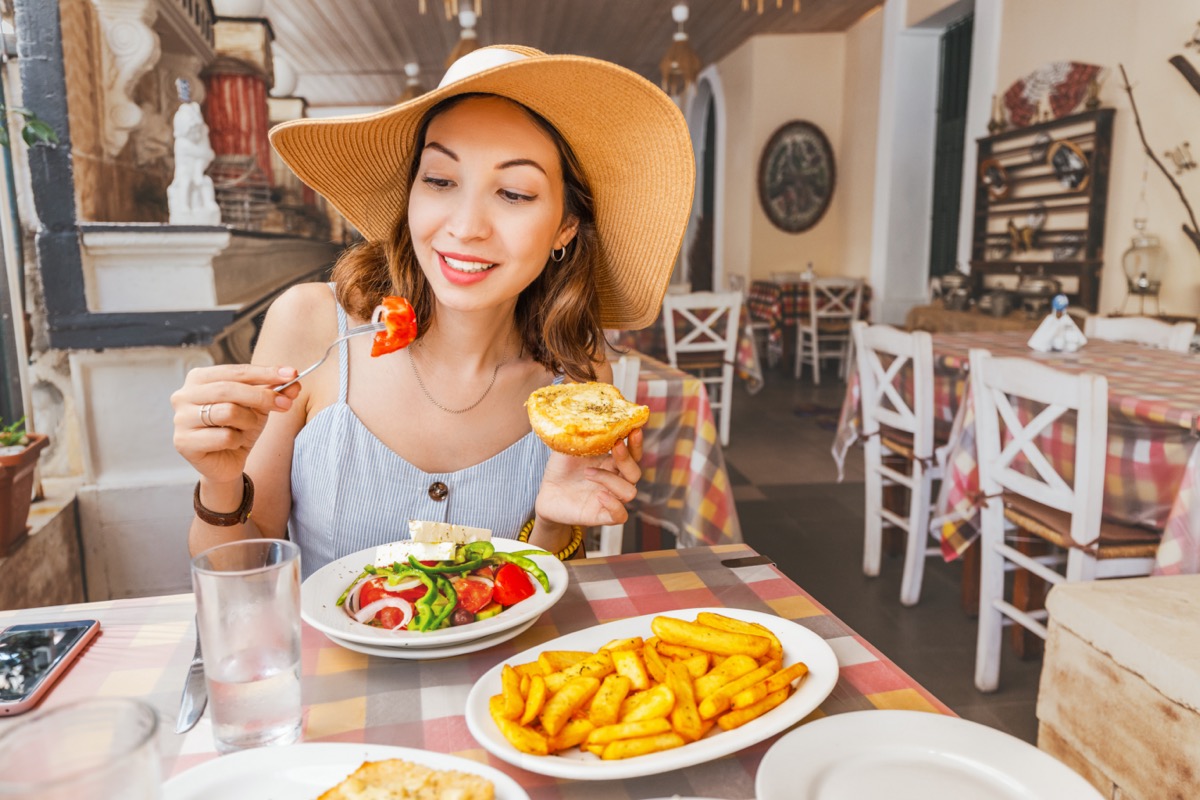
<point>195,693</point>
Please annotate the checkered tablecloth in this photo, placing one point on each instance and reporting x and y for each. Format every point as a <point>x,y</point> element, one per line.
<point>780,305</point>
<point>684,485</point>
<point>146,644</point>
<point>1152,472</point>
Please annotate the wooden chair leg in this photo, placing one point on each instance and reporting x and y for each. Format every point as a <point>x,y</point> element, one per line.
<point>969,586</point>
<point>1029,594</point>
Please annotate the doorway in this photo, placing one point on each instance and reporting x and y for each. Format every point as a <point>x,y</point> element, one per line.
<point>954,79</point>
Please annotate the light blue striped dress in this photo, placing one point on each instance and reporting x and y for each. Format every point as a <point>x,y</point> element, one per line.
<point>351,491</point>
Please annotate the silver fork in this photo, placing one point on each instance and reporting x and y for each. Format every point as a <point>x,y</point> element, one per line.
<point>370,327</point>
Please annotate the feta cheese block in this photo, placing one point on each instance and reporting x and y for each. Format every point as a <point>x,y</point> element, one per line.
<point>389,554</point>
<point>423,531</point>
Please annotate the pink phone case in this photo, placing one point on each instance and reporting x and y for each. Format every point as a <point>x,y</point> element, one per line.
<point>27,702</point>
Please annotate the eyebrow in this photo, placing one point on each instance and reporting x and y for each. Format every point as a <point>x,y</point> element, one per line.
<point>514,162</point>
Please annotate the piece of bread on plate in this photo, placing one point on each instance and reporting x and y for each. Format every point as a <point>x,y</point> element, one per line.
<point>396,779</point>
<point>583,419</point>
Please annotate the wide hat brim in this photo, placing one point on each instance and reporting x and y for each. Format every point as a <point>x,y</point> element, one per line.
<point>630,138</point>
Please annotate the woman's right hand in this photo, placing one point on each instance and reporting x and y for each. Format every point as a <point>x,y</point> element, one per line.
<point>221,411</point>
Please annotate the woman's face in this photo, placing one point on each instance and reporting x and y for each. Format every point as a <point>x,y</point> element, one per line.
<point>486,208</point>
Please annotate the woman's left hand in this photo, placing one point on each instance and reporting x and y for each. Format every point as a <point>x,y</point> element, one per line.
<point>591,491</point>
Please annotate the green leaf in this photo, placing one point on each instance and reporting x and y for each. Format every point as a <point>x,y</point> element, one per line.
<point>37,132</point>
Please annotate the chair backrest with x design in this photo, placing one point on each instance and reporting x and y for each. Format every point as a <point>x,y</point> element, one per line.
<point>834,299</point>
<point>1010,450</point>
<point>889,360</point>
<point>1142,330</point>
<point>707,340</point>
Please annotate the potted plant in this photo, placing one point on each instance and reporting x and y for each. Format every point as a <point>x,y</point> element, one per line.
<point>18,456</point>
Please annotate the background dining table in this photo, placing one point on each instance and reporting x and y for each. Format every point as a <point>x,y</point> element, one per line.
<point>146,644</point>
<point>1152,471</point>
<point>782,305</point>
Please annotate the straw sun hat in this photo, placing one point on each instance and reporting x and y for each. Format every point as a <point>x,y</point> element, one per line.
<point>630,138</point>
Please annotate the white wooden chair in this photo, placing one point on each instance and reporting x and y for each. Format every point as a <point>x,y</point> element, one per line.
<point>625,377</point>
<point>679,288</point>
<point>1023,490</point>
<point>895,430</point>
<point>1141,330</point>
<point>760,329</point>
<point>833,304</point>
<point>708,346</point>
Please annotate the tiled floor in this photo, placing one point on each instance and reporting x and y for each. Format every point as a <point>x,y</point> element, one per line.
<point>793,509</point>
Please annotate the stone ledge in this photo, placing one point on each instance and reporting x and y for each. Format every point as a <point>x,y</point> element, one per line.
<point>47,569</point>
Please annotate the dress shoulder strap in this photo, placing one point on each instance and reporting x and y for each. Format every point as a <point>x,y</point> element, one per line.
<point>343,348</point>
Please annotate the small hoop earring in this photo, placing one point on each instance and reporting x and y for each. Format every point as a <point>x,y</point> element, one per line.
<point>558,254</point>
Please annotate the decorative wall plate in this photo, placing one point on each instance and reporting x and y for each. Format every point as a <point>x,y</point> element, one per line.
<point>1041,143</point>
<point>1064,83</point>
<point>1070,165</point>
<point>796,176</point>
<point>993,176</point>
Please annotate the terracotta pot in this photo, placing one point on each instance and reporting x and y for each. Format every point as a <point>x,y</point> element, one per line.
<point>16,492</point>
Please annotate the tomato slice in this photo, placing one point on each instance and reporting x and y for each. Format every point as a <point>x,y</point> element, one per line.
<point>401,321</point>
<point>389,617</point>
<point>512,585</point>
<point>376,588</point>
<point>473,595</point>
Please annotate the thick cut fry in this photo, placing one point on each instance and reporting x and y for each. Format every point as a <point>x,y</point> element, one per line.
<point>628,730</point>
<point>630,664</point>
<point>748,697</point>
<point>685,718</point>
<point>713,640</point>
<point>730,669</point>
<point>566,701</point>
<point>594,749</point>
<point>654,662</point>
<point>656,702</point>
<point>557,660</point>
<point>738,626</point>
<point>572,735</point>
<point>735,719</point>
<point>629,748</point>
<point>632,643</point>
<point>532,668</point>
<point>781,679</point>
<point>534,700</point>
<point>718,702</point>
<point>527,740</point>
<point>510,690</point>
<point>595,666</point>
<point>524,685</point>
<point>696,666</point>
<point>555,681</point>
<point>605,707</point>
<point>668,650</point>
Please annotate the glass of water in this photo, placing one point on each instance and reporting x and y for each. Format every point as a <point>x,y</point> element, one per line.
<point>248,612</point>
<point>94,749</point>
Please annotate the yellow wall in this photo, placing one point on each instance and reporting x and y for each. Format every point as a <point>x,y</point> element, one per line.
<point>1142,36</point>
<point>920,10</point>
<point>740,152</point>
<point>856,166</point>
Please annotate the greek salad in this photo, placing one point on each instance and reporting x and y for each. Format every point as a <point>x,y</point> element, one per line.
<point>476,583</point>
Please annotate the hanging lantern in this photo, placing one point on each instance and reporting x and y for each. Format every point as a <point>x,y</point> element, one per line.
<point>412,86</point>
<point>467,40</point>
<point>680,66</point>
<point>1144,262</point>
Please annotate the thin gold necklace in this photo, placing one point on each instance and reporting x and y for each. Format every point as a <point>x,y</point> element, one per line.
<point>413,361</point>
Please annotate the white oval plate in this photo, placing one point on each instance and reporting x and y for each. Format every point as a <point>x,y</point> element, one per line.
<point>911,755</point>
<point>430,653</point>
<point>319,594</point>
<point>305,771</point>
<point>799,644</point>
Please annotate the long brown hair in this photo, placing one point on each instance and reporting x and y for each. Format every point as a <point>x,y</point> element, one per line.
<point>557,316</point>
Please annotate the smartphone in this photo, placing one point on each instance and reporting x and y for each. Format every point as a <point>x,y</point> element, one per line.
<point>32,657</point>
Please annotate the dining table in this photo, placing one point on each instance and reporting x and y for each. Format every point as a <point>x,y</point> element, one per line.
<point>685,487</point>
<point>1152,468</point>
<point>145,646</point>
<point>783,305</point>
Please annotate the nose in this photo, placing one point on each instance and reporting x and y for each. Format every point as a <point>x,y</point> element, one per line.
<point>469,218</point>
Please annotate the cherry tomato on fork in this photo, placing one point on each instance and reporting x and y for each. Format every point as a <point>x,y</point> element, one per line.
<point>512,585</point>
<point>401,321</point>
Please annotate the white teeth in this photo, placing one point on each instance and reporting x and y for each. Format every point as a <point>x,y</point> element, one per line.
<point>467,266</point>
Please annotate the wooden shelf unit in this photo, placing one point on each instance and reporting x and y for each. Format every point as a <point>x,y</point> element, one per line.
<point>1032,187</point>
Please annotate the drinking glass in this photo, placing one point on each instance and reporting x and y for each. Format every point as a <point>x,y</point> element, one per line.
<point>94,749</point>
<point>248,614</point>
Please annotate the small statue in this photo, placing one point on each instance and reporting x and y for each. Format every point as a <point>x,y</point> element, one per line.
<point>190,196</point>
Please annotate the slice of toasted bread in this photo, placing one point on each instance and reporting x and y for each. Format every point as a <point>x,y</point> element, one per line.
<point>583,419</point>
<point>396,779</point>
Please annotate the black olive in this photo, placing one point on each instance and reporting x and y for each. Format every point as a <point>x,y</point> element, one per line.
<point>462,617</point>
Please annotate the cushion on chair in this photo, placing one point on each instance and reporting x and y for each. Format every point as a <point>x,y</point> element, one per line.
<point>1117,539</point>
<point>901,442</point>
<point>695,361</point>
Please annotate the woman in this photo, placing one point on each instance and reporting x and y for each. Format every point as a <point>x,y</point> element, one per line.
<point>525,203</point>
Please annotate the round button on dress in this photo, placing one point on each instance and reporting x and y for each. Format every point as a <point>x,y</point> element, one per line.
<point>438,491</point>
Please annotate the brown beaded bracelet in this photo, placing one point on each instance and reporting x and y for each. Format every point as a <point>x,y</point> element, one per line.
<point>236,517</point>
<point>571,550</point>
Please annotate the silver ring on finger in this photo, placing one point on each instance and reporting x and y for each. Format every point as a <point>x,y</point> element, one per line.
<point>206,416</point>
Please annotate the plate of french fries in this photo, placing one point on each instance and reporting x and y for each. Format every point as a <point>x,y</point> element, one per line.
<point>650,694</point>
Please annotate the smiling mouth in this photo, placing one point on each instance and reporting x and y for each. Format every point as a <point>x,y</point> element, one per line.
<point>468,267</point>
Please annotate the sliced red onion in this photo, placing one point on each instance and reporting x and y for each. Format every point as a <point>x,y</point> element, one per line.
<point>403,586</point>
<point>367,613</point>
<point>351,604</point>
<point>377,314</point>
<point>487,581</point>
